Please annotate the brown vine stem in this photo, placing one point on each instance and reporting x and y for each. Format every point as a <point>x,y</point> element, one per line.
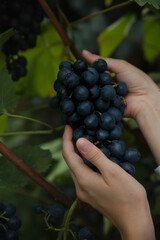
<point>39,180</point>
<point>33,175</point>
<point>101,12</point>
<point>59,28</point>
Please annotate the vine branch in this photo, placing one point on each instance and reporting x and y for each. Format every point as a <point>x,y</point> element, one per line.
<point>59,28</point>
<point>33,175</point>
<point>101,12</point>
<point>39,180</point>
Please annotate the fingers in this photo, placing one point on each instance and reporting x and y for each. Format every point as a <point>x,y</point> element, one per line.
<point>114,65</point>
<point>73,160</point>
<point>96,157</point>
<point>69,154</point>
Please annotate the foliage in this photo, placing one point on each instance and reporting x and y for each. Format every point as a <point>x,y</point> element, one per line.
<point>8,98</point>
<point>154,3</point>
<point>43,64</point>
<point>131,33</point>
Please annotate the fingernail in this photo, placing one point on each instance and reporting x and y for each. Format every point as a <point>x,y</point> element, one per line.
<point>87,52</point>
<point>65,127</point>
<point>83,145</point>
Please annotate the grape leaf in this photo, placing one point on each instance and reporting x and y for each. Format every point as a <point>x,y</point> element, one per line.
<point>33,156</point>
<point>151,29</point>
<point>61,167</point>
<point>114,34</point>
<point>43,62</point>
<point>3,121</point>
<point>8,97</point>
<point>154,3</point>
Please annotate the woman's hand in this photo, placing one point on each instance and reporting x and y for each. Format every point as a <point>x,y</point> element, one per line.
<point>141,89</point>
<point>114,193</point>
<point>142,100</point>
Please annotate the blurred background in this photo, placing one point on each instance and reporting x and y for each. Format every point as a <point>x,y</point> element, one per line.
<point>131,32</point>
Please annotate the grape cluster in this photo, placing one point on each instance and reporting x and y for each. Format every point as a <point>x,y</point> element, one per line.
<point>93,105</point>
<point>54,213</point>
<point>25,17</point>
<point>54,216</point>
<point>9,223</point>
<point>84,233</point>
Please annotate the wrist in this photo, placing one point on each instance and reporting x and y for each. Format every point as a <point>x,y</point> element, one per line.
<point>149,106</point>
<point>148,119</point>
<point>141,229</point>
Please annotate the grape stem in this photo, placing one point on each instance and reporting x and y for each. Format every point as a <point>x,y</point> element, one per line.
<point>7,134</point>
<point>2,216</point>
<point>28,118</point>
<point>50,227</point>
<point>59,28</point>
<point>101,12</point>
<point>68,218</point>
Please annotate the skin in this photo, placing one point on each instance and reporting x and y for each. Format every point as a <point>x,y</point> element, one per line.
<point>115,193</point>
<point>142,99</point>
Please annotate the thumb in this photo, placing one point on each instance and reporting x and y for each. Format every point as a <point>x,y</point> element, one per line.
<point>95,156</point>
<point>114,65</point>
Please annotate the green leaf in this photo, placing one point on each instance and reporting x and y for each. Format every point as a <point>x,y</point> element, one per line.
<point>3,38</point>
<point>33,156</point>
<point>3,121</point>
<point>131,122</point>
<point>43,62</point>
<point>61,167</point>
<point>154,3</point>
<point>151,29</point>
<point>8,97</point>
<point>114,34</point>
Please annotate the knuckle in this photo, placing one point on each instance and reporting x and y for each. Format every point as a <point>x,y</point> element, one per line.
<point>112,172</point>
<point>81,195</point>
<point>123,62</point>
<point>94,156</point>
<point>83,185</point>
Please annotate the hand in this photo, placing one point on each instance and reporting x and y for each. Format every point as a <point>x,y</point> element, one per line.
<point>141,88</point>
<point>142,100</point>
<point>114,193</point>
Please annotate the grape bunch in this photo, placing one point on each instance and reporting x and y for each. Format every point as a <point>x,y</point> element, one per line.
<point>54,214</point>
<point>93,105</point>
<point>25,17</point>
<point>9,223</point>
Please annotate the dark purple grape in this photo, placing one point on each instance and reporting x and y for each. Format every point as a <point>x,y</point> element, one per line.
<point>100,65</point>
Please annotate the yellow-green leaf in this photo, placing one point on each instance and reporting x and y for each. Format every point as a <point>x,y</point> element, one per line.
<point>3,121</point>
<point>114,34</point>
<point>43,61</point>
<point>151,29</point>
